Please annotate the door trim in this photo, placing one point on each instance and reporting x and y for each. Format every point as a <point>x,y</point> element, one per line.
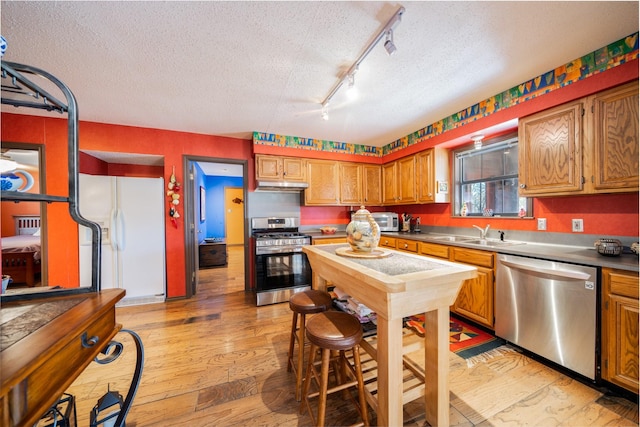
<point>189,215</point>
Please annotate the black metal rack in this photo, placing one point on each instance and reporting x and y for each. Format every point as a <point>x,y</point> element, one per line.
<point>20,90</point>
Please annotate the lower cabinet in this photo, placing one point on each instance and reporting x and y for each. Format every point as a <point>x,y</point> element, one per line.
<point>328,240</point>
<point>387,242</point>
<point>620,328</point>
<point>476,297</point>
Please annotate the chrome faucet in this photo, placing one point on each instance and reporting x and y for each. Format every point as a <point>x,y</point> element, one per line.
<point>483,231</point>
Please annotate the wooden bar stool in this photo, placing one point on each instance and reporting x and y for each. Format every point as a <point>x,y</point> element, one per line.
<point>334,332</point>
<point>303,303</point>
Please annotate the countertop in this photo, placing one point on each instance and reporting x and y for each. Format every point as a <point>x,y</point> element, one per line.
<point>562,253</point>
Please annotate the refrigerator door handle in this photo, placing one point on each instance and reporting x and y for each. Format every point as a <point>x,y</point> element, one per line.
<point>120,230</point>
<point>113,230</point>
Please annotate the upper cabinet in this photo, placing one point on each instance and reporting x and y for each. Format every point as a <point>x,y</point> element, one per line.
<point>615,136</point>
<point>399,181</point>
<point>277,168</point>
<point>433,175</point>
<point>323,183</point>
<point>350,179</point>
<point>372,184</point>
<point>586,146</point>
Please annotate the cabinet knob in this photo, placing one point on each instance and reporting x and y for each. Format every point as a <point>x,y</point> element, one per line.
<point>522,186</point>
<point>406,246</point>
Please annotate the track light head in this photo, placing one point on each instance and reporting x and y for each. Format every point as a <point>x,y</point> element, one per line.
<point>389,46</point>
<point>325,111</point>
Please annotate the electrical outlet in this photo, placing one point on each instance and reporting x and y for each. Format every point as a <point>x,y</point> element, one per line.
<point>542,223</point>
<point>577,226</point>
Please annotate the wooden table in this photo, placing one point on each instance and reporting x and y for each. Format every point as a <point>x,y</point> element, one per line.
<point>397,286</point>
<point>46,343</point>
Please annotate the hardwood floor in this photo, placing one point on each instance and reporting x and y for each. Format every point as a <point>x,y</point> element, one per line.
<point>219,360</point>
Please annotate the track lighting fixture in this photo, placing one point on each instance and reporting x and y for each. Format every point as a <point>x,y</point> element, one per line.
<point>325,111</point>
<point>477,141</point>
<point>388,45</point>
<point>349,76</point>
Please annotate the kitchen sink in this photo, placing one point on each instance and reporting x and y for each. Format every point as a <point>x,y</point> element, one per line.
<point>493,243</point>
<point>451,238</point>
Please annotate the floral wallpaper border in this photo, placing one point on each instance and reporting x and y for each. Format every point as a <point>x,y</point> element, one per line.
<point>610,56</point>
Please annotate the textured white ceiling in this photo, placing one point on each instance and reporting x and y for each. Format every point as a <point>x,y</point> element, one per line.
<point>231,68</point>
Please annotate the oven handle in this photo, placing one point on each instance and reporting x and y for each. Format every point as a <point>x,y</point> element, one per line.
<point>560,274</point>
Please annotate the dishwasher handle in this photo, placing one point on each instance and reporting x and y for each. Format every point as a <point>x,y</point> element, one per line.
<point>560,274</point>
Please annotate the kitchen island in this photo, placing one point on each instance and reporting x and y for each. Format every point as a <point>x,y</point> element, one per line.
<point>397,286</point>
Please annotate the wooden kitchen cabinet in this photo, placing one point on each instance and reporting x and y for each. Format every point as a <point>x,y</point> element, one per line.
<point>350,180</point>
<point>615,136</point>
<point>387,242</point>
<point>434,249</point>
<point>399,181</point>
<point>433,176</point>
<point>476,297</point>
<point>372,184</point>
<point>322,176</point>
<point>328,240</point>
<point>277,168</point>
<point>583,147</point>
<point>620,328</point>
<point>407,245</point>
<point>550,151</point>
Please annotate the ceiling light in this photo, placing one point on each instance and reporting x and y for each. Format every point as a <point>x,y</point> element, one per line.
<point>477,141</point>
<point>348,77</point>
<point>325,111</point>
<point>389,45</point>
<point>351,89</point>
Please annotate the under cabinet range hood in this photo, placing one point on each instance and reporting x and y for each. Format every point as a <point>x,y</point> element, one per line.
<point>281,186</point>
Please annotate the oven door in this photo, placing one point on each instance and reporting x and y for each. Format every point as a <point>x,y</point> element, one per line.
<point>279,275</point>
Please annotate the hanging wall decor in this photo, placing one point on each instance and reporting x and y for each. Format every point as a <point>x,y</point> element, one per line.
<point>174,197</point>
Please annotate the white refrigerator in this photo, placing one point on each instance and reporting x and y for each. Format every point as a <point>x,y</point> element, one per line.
<point>131,214</point>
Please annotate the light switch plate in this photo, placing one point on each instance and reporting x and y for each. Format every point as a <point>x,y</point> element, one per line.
<point>542,224</point>
<point>577,226</point>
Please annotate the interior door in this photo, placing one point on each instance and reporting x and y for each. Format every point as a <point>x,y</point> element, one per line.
<point>234,215</point>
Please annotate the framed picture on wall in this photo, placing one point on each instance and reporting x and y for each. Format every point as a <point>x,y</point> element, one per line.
<point>203,212</point>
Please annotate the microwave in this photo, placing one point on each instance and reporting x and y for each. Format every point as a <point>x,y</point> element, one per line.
<point>387,221</point>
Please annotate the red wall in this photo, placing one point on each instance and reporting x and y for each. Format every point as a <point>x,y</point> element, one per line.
<point>602,214</point>
<point>62,231</point>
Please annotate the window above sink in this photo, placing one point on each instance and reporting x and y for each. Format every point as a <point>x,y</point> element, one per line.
<point>486,180</point>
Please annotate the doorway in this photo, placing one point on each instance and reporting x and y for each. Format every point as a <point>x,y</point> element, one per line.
<point>234,215</point>
<point>198,171</point>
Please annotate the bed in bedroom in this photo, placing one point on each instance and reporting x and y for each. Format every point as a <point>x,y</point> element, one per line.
<point>21,253</point>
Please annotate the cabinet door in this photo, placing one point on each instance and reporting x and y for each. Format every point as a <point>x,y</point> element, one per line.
<point>620,328</point>
<point>350,183</point>
<point>387,242</point>
<point>323,183</point>
<point>425,163</point>
<point>550,153</point>
<point>372,184</point>
<point>615,136</point>
<point>476,296</point>
<point>293,169</point>
<point>406,175</point>
<point>268,167</point>
<point>389,184</point>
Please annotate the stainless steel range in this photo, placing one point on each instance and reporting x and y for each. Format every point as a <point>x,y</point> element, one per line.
<point>280,268</point>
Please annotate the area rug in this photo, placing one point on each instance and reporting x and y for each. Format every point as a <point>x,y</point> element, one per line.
<point>469,342</point>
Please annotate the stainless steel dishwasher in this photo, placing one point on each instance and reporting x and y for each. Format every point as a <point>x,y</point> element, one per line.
<point>548,308</point>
